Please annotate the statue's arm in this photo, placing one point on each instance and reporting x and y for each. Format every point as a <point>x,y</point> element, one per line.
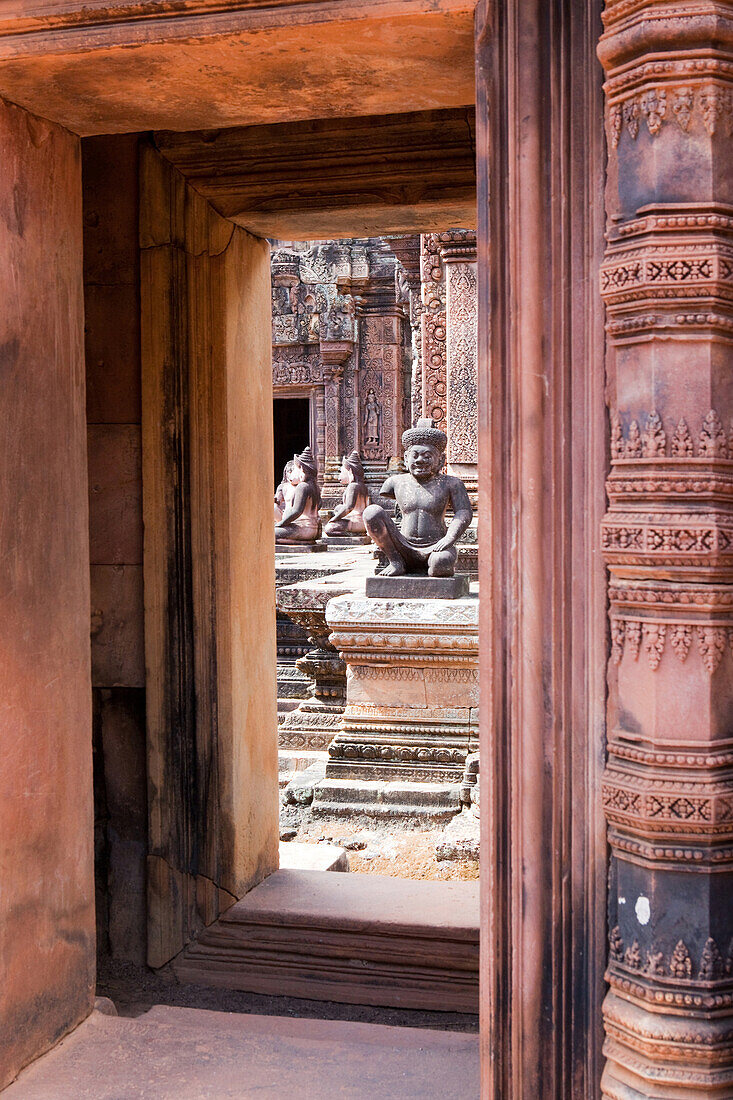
<point>462,510</point>
<point>387,489</point>
<point>297,505</point>
<point>348,503</point>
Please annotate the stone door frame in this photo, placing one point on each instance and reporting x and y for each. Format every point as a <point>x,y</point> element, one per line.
<point>316,395</point>
<point>543,457</point>
<point>542,463</point>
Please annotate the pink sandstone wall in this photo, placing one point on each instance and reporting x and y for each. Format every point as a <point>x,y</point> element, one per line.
<point>46,857</point>
<point>112,342</point>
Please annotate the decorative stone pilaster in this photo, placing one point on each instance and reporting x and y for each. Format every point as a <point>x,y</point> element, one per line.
<point>458,251</point>
<point>409,292</point>
<point>334,355</point>
<point>667,282</point>
<point>433,331</point>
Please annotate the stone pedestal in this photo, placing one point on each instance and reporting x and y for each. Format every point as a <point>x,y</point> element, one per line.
<point>316,719</point>
<point>293,684</point>
<point>412,688</point>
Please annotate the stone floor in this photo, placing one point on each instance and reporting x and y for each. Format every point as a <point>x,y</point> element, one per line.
<point>195,1054</point>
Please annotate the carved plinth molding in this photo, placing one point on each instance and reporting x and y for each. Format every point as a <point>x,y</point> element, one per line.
<point>412,688</point>
<point>667,539</point>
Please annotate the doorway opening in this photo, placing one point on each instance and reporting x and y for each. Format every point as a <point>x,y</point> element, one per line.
<point>291,420</point>
<point>351,334</point>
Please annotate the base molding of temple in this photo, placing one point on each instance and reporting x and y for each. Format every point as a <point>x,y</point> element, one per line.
<point>660,1055</point>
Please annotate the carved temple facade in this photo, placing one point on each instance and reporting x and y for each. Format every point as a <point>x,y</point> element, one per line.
<point>151,150</point>
<point>375,333</point>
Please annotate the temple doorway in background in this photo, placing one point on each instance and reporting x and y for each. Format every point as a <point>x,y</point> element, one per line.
<point>292,422</point>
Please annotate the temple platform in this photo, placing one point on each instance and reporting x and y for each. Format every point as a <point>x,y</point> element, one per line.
<point>193,1054</point>
<point>355,939</point>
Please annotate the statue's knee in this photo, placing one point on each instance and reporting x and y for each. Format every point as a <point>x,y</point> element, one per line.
<point>440,564</point>
<point>374,514</point>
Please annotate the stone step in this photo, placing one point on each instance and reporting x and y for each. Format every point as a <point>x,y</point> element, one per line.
<point>295,856</point>
<point>358,939</point>
<point>419,803</point>
<point>292,761</point>
<point>194,1054</point>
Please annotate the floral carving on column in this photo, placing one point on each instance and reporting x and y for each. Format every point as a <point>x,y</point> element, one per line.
<point>459,259</point>
<point>667,538</point>
<point>433,322</point>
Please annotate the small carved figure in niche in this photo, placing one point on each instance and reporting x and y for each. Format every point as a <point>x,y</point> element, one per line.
<point>285,490</point>
<point>348,519</point>
<point>423,544</point>
<point>372,419</point>
<point>300,521</point>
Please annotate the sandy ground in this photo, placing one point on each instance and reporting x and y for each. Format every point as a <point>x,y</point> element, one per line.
<point>403,854</point>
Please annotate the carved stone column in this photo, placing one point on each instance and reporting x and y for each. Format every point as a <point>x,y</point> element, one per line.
<point>333,356</point>
<point>407,250</point>
<point>433,330</point>
<point>461,270</point>
<point>667,281</point>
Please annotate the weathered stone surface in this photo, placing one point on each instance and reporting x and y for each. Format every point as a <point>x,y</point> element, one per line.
<point>112,341</point>
<point>412,805</point>
<point>313,723</point>
<point>460,839</point>
<point>418,588</point>
<point>666,539</point>
<point>303,547</point>
<point>115,494</point>
<point>312,857</point>
<point>340,339</point>
<point>47,893</point>
<point>184,1052</point>
<point>122,820</point>
<point>300,788</point>
<point>117,629</point>
<point>95,73</point>
<point>246,173</point>
<point>212,746</point>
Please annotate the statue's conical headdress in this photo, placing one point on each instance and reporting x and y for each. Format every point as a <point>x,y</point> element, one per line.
<point>425,433</point>
<point>306,459</point>
<point>353,462</point>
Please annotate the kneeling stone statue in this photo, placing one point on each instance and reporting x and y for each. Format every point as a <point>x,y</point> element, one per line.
<point>423,544</point>
<point>298,520</point>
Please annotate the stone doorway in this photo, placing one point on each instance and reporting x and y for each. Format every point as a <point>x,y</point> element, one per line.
<point>542,419</point>
<point>292,429</point>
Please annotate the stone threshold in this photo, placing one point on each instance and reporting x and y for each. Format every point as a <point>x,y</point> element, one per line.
<point>355,939</point>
